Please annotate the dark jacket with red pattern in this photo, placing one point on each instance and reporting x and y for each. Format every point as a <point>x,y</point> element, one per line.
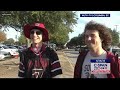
<point>47,61</point>
<point>114,65</point>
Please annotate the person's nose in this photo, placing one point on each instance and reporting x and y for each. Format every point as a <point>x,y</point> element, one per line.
<point>89,38</point>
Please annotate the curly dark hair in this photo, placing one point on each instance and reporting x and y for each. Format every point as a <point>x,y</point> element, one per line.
<point>104,32</point>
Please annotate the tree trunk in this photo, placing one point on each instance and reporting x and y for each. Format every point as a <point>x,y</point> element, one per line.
<point>28,42</point>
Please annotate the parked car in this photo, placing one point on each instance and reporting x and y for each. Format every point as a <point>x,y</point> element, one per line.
<point>81,48</point>
<point>53,46</point>
<point>5,49</point>
<point>115,51</point>
<point>20,48</point>
<point>77,48</point>
<point>4,55</point>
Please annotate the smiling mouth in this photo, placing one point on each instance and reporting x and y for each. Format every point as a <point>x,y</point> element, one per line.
<point>34,38</point>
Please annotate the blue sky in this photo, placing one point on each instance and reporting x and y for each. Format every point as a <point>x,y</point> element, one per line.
<point>12,34</point>
<point>110,22</point>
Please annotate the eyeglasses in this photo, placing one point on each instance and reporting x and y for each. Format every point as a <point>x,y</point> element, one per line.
<point>37,32</point>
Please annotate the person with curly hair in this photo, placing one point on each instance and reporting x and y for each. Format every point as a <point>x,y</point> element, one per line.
<point>98,39</point>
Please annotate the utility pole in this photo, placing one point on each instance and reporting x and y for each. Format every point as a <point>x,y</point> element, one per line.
<point>0,26</point>
<point>116,27</point>
<point>118,32</point>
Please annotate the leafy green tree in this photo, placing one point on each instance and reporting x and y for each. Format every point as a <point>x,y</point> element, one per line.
<point>81,40</point>
<point>73,42</point>
<point>22,39</point>
<point>55,21</point>
<point>115,37</point>
<point>9,41</point>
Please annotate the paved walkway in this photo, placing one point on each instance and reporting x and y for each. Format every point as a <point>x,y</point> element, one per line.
<point>66,65</point>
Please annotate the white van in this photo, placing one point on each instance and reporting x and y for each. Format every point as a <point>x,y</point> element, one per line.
<point>115,51</point>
